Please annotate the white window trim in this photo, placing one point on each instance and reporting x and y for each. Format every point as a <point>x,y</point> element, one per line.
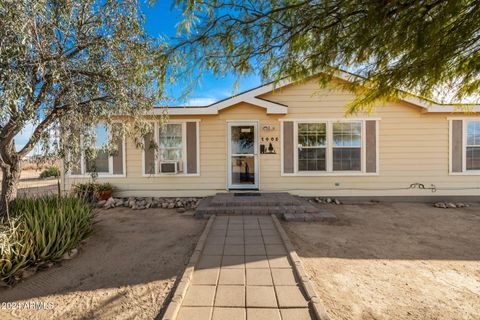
<point>110,174</point>
<point>329,149</point>
<point>464,172</point>
<point>156,136</point>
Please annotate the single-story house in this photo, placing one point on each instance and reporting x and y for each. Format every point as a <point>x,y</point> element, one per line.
<point>295,137</point>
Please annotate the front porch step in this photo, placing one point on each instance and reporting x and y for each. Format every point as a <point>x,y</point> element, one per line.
<point>290,207</point>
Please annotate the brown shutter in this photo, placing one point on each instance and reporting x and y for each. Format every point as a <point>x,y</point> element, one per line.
<point>192,157</point>
<point>149,151</point>
<point>118,155</point>
<point>371,146</point>
<point>288,152</point>
<point>457,145</point>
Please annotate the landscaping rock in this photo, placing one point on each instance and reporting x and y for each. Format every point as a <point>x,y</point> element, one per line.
<point>139,203</point>
<point>101,203</point>
<point>181,210</point>
<point>110,203</point>
<point>450,205</point>
<point>70,255</point>
<point>118,202</point>
<point>327,201</point>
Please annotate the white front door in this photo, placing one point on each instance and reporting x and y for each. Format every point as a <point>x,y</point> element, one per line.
<point>243,155</point>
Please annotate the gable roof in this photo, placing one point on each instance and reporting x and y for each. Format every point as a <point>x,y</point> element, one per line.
<point>252,97</point>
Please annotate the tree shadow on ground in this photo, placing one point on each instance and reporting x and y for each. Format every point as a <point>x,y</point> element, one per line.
<point>132,255</point>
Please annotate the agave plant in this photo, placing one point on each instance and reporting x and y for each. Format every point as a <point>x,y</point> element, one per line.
<point>42,230</point>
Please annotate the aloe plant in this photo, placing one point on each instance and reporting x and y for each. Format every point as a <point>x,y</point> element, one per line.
<point>41,230</point>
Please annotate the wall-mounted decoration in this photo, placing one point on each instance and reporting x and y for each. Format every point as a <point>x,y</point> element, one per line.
<point>267,149</point>
<point>268,140</point>
<point>268,127</point>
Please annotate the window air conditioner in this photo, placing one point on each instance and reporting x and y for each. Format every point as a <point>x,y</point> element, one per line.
<point>171,167</point>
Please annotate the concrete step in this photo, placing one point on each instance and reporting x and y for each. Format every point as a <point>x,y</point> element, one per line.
<point>295,208</point>
<point>223,204</point>
<point>257,199</point>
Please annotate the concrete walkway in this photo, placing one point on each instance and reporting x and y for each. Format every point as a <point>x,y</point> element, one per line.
<point>244,273</point>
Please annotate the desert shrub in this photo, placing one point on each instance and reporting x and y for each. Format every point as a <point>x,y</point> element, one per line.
<point>87,190</point>
<point>90,190</point>
<point>41,230</point>
<point>52,171</point>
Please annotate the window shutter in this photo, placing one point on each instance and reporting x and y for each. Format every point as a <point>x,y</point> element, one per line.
<point>118,155</point>
<point>192,156</point>
<point>457,146</point>
<point>288,152</point>
<point>371,146</point>
<point>149,152</point>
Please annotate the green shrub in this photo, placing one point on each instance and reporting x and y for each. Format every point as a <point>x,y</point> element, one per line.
<point>52,171</point>
<point>87,190</point>
<point>41,230</point>
<point>104,186</point>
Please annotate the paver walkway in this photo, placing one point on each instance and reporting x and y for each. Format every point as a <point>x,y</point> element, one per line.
<point>244,273</point>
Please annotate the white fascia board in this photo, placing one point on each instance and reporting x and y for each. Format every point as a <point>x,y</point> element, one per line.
<point>432,107</point>
<point>272,107</point>
<point>248,97</point>
<point>453,109</point>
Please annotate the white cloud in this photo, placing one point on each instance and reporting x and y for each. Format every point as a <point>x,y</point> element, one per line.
<point>196,102</point>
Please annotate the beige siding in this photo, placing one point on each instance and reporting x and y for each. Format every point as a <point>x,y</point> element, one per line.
<point>413,148</point>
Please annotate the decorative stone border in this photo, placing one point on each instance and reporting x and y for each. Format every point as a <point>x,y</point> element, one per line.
<point>307,286</point>
<point>181,290</point>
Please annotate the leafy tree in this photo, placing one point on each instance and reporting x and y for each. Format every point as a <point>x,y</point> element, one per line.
<point>66,64</point>
<point>427,47</point>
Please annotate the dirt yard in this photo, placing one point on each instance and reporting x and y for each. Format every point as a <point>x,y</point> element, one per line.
<point>125,270</point>
<point>394,261</point>
<point>31,185</point>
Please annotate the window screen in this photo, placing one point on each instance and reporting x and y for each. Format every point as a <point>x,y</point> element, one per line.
<point>473,145</point>
<point>170,144</point>
<point>312,146</point>
<point>347,146</point>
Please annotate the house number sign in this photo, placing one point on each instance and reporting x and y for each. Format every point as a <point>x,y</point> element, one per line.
<point>268,140</point>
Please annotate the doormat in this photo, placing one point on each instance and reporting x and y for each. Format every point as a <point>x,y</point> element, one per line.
<point>246,194</point>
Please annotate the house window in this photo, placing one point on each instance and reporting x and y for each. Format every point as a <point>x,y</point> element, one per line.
<point>171,142</point>
<point>101,162</point>
<point>172,148</point>
<point>473,145</point>
<point>312,138</point>
<point>329,147</point>
<point>347,146</point>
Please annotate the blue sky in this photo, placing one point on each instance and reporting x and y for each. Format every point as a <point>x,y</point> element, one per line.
<point>161,20</point>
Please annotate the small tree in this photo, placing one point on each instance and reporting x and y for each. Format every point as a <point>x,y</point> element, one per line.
<point>65,64</point>
<point>427,47</point>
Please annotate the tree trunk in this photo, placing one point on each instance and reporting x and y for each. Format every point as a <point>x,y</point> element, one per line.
<point>10,179</point>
